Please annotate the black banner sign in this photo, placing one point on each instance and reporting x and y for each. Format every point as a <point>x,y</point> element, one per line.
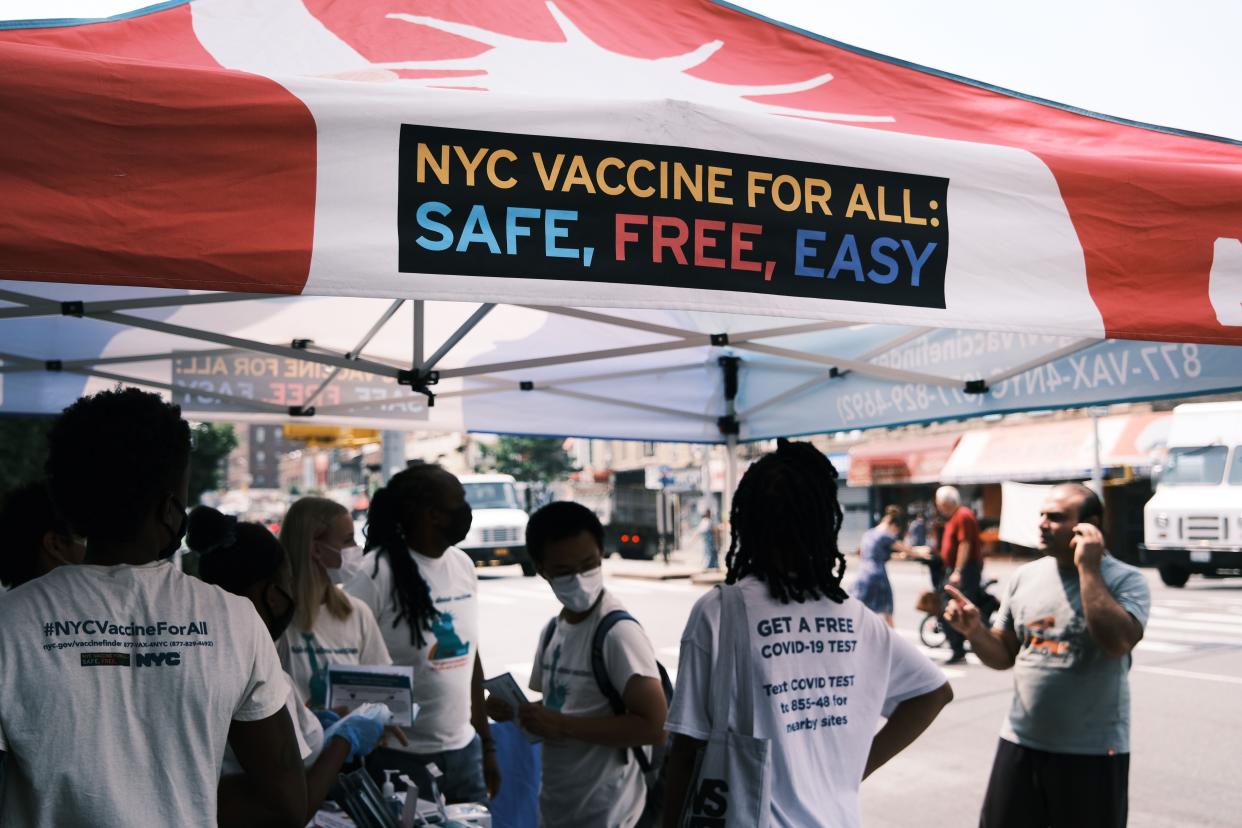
<point>500,204</point>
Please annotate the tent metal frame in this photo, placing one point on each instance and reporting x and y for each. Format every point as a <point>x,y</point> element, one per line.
<point>423,373</point>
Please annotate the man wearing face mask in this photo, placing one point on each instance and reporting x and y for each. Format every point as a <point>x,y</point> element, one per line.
<point>123,677</point>
<point>424,593</point>
<point>591,775</point>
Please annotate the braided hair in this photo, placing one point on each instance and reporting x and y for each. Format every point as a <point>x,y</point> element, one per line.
<point>395,507</point>
<point>785,520</point>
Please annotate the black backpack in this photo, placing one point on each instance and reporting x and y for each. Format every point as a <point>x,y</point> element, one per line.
<point>652,767</point>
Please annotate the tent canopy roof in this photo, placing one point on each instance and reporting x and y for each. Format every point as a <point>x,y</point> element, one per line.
<point>639,196</point>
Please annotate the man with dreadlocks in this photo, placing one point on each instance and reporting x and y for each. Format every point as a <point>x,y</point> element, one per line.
<point>424,593</point>
<point>824,668</point>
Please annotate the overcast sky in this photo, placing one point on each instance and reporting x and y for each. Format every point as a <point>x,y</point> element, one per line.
<point>1175,64</point>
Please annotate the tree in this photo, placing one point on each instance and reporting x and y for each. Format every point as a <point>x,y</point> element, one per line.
<point>531,459</point>
<point>212,443</point>
<point>23,449</point>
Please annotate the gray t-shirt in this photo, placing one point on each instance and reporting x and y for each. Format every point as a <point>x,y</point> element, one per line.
<point>1069,695</point>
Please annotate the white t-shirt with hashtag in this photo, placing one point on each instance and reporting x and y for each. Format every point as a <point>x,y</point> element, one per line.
<point>134,673</point>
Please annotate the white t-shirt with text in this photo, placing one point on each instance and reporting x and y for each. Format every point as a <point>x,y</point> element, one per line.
<point>444,665</point>
<point>823,675</point>
<point>119,686</point>
<point>585,784</point>
<point>354,639</point>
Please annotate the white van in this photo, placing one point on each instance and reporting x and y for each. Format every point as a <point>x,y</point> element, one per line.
<point>1193,523</point>
<point>498,530</point>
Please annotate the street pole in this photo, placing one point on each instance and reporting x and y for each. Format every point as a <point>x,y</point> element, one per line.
<point>1097,470</point>
<point>393,454</point>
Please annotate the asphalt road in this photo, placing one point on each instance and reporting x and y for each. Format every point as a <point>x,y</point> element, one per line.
<point>1186,685</point>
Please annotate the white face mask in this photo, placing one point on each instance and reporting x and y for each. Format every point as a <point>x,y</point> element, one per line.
<point>351,565</point>
<point>578,593</point>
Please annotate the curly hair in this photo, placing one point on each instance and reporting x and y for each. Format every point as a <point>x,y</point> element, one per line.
<point>394,508</point>
<point>785,520</point>
<point>112,457</point>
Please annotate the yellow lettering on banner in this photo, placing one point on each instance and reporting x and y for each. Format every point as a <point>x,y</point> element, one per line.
<point>578,176</point>
<point>682,177</point>
<point>663,180</point>
<point>471,164</point>
<point>641,192</point>
<point>909,217</point>
<point>754,185</point>
<point>818,191</point>
<point>889,217</point>
<point>716,181</point>
<point>791,183</point>
<point>607,163</point>
<point>500,183</point>
<point>859,203</point>
<point>549,178</point>
<point>426,159</point>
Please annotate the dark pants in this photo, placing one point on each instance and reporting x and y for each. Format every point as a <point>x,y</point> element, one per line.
<point>463,771</point>
<point>1036,789</point>
<point>972,573</point>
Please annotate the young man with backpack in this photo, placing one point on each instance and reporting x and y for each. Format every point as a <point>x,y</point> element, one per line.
<point>604,695</point>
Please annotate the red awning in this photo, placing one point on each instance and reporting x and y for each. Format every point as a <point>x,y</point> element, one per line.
<point>1052,451</point>
<point>888,462</point>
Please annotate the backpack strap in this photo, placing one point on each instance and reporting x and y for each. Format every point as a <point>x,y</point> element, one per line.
<point>545,638</point>
<point>600,670</point>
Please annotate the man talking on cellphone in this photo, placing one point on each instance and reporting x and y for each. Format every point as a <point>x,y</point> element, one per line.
<point>1067,626</point>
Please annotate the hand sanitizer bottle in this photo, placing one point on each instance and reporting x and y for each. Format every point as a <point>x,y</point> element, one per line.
<point>389,793</point>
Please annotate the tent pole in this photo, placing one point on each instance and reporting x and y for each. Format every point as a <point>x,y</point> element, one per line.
<point>730,427</point>
<point>730,481</point>
<point>419,331</point>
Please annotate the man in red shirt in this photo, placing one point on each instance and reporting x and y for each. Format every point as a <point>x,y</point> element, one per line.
<point>962,555</point>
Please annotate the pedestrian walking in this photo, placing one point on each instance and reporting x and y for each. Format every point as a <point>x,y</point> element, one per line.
<point>1067,627</point>
<point>962,556</point>
<point>879,543</point>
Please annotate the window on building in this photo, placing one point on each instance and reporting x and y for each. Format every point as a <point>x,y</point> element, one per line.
<point>648,449</point>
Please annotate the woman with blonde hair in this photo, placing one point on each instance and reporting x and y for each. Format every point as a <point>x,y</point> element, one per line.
<point>329,626</point>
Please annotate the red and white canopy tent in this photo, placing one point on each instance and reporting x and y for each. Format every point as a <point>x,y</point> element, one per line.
<point>559,217</point>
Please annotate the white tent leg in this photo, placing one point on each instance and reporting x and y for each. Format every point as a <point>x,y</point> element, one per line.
<point>730,480</point>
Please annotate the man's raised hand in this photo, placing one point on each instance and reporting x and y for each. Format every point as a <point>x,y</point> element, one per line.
<point>961,614</point>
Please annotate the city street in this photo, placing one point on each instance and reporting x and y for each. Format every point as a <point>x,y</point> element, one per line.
<point>1186,680</point>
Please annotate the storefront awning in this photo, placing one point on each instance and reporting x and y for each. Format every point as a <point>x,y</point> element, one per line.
<point>1059,450</point>
<point>894,462</point>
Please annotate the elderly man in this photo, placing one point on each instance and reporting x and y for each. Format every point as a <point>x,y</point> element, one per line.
<point>961,554</point>
<point>1067,626</point>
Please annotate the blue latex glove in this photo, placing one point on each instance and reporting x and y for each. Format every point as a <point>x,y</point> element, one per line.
<point>362,732</point>
<point>326,718</point>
